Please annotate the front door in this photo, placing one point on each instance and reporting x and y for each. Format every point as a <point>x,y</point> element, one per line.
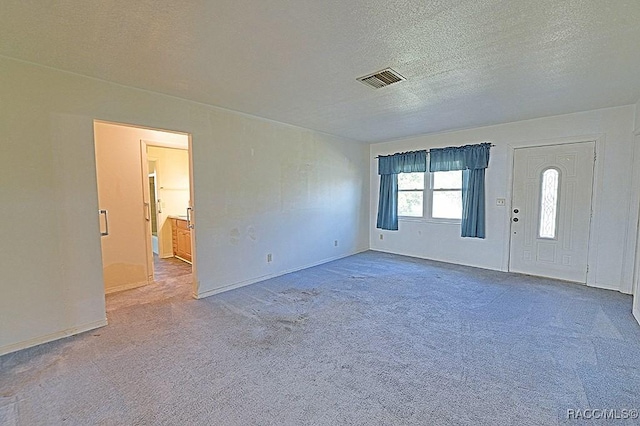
<point>551,210</point>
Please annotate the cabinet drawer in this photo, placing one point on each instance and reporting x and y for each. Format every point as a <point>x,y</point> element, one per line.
<point>181,224</point>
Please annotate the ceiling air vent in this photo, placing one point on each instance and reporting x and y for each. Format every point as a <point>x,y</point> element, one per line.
<point>381,78</point>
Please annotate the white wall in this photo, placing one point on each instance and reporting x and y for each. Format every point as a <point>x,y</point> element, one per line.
<point>172,186</point>
<point>260,187</point>
<point>613,227</point>
<point>276,189</point>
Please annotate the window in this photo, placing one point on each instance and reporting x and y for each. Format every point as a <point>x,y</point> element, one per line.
<point>447,195</point>
<point>411,194</point>
<point>549,204</point>
<point>442,201</point>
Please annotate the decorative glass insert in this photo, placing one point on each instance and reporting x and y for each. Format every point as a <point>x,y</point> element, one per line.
<point>549,204</point>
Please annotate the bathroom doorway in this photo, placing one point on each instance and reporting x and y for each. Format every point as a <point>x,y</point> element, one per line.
<point>154,207</point>
<point>167,169</point>
<point>138,203</point>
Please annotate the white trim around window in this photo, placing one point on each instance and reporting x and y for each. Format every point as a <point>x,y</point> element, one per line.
<point>427,201</point>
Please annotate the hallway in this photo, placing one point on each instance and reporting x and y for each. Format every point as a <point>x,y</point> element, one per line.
<point>172,281</point>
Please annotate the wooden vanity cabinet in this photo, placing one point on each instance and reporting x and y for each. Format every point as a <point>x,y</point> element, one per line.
<point>181,239</point>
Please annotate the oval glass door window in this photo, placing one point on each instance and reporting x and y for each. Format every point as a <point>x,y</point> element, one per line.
<point>549,204</point>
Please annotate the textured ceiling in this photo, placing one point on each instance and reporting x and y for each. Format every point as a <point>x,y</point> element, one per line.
<point>467,62</point>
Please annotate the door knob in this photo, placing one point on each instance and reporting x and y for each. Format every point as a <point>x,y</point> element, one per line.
<point>515,219</point>
<point>516,211</point>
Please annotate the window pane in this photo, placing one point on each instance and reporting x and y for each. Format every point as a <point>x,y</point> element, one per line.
<point>447,180</point>
<point>447,205</point>
<point>410,203</point>
<point>549,203</point>
<point>411,180</point>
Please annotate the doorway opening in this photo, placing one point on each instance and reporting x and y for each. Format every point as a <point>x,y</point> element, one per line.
<point>155,208</point>
<point>145,195</point>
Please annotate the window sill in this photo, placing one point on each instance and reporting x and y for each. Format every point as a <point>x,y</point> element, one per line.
<point>425,220</point>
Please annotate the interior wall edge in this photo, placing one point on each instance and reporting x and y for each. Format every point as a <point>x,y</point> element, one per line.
<point>124,287</point>
<point>250,281</point>
<point>14,347</point>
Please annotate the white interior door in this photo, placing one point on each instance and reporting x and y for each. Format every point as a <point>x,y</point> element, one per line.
<point>551,210</point>
<point>125,250</point>
<point>146,204</point>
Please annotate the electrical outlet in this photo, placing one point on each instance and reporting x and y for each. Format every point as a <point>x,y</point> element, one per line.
<point>381,237</point>
<point>500,201</point>
<point>269,257</point>
<point>335,243</point>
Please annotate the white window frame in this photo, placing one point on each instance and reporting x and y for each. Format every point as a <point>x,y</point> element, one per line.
<point>427,202</point>
<point>432,190</point>
<point>424,200</point>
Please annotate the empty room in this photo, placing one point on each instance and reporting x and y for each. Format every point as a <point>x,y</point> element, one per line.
<point>320,212</point>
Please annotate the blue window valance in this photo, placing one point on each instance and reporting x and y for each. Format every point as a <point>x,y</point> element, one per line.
<point>403,162</point>
<point>465,157</point>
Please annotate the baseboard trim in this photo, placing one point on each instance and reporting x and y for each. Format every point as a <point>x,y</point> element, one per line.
<point>124,287</point>
<point>438,260</point>
<point>13,347</point>
<point>184,260</point>
<point>607,287</point>
<point>274,275</point>
<point>600,286</point>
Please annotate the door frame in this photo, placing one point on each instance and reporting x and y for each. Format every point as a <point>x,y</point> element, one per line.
<point>146,203</point>
<point>598,172</point>
<point>194,274</point>
<point>635,209</point>
<point>155,198</point>
<point>144,144</point>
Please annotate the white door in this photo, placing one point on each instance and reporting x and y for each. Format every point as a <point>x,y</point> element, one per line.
<point>551,210</point>
<point>146,202</point>
<point>125,250</point>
